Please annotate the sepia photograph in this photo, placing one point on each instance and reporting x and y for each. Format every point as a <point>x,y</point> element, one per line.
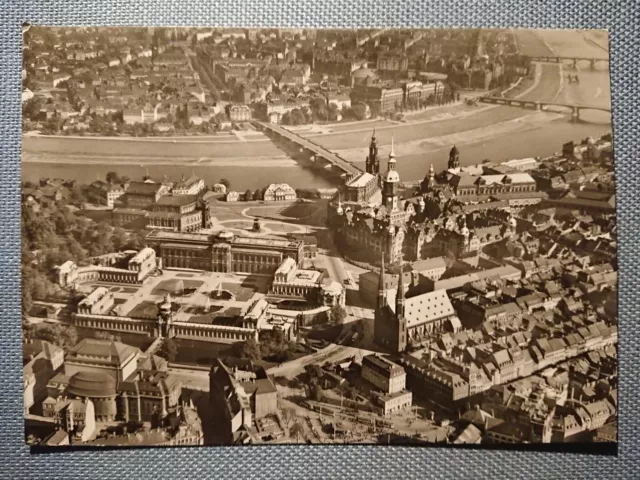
<point>236,236</point>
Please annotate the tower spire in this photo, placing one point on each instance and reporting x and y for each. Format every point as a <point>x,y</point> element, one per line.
<point>392,154</point>
<point>381,289</point>
<point>400,294</point>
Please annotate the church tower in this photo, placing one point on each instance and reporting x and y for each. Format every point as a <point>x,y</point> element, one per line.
<point>373,160</point>
<point>382,294</point>
<point>401,321</point>
<point>400,295</point>
<point>391,184</point>
<point>454,159</point>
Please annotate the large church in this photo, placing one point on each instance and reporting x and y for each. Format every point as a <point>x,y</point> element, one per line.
<point>428,223</point>
<point>401,322</point>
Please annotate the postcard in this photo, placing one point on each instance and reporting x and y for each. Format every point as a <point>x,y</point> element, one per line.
<point>276,236</point>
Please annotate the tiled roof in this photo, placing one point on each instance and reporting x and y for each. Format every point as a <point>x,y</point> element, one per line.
<point>425,308</point>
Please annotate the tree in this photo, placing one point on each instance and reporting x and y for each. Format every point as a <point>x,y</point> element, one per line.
<point>257,195</point>
<point>61,335</point>
<point>250,349</point>
<point>248,195</point>
<point>226,183</point>
<point>298,117</point>
<point>338,314</point>
<point>31,108</point>
<point>104,335</point>
<point>359,111</point>
<point>120,238</point>
<point>168,350</point>
<point>288,416</point>
<point>296,430</point>
<point>332,112</point>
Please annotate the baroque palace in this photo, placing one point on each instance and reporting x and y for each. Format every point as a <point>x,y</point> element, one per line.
<point>454,213</point>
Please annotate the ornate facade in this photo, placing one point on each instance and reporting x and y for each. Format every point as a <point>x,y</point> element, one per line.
<point>442,220</point>
<point>224,252</point>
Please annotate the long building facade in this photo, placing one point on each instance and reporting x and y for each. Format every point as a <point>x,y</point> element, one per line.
<point>224,252</point>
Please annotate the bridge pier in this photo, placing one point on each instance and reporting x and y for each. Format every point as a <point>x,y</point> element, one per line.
<point>575,63</point>
<point>592,62</point>
<point>575,115</point>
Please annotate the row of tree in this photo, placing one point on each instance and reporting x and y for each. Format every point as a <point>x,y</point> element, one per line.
<point>272,347</point>
<point>54,235</point>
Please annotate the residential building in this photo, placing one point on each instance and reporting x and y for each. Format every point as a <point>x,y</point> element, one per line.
<point>242,394</point>
<point>239,113</point>
<point>387,376</point>
<point>188,186</point>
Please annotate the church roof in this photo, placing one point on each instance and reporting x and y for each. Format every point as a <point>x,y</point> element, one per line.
<point>424,308</point>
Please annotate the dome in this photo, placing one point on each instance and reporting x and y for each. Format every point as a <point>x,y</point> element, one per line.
<point>392,177</point>
<point>92,385</point>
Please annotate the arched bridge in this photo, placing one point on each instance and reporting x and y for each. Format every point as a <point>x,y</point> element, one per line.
<point>319,153</point>
<point>533,105</point>
<point>553,59</point>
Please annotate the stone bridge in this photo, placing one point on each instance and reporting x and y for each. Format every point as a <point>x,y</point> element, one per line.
<point>315,151</point>
<point>535,105</point>
<point>574,60</point>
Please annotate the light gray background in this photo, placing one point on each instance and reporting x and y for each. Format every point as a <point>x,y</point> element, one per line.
<point>620,17</point>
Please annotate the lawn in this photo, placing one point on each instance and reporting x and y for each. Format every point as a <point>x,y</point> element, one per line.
<point>242,293</point>
<point>281,227</point>
<point>299,210</point>
<point>239,224</point>
<point>173,287</point>
<point>201,353</point>
<point>144,309</point>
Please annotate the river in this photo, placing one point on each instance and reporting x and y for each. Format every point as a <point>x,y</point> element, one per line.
<point>496,134</point>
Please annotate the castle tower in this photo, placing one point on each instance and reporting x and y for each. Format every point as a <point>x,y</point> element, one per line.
<point>454,159</point>
<point>391,184</point>
<point>373,160</point>
<point>382,299</point>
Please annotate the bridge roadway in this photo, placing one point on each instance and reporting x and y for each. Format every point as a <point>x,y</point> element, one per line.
<point>537,105</point>
<point>555,59</point>
<point>318,151</point>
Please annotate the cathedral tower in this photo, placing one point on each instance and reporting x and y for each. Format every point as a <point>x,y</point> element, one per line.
<point>400,295</point>
<point>382,298</point>
<point>373,160</point>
